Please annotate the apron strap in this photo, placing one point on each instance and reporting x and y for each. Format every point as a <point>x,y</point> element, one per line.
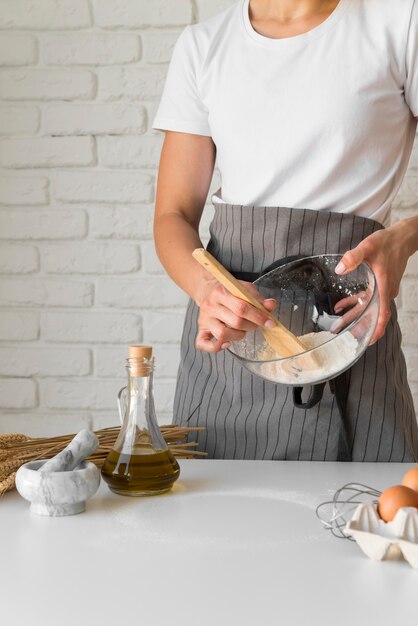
<point>339,387</point>
<point>317,391</point>
<point>252,276</point>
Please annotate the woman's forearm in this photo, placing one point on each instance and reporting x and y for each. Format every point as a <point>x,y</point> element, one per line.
<point>175,240</point>
<point>184,176</point>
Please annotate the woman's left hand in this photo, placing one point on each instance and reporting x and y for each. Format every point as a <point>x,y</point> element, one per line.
<point>386,252</point>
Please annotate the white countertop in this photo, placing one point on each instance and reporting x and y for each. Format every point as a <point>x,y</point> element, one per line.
<point>235,543</point>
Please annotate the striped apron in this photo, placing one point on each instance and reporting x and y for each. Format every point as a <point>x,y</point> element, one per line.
<point>247,417</point>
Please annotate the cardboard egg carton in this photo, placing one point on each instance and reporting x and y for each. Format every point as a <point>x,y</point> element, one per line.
<point>381,540</point>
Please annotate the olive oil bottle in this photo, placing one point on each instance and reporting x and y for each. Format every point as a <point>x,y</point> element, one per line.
<point>140,463</point>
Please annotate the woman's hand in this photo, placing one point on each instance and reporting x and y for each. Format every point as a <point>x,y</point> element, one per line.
<point>386,252</point>
<point>224,318</point>
<point>350,309</point>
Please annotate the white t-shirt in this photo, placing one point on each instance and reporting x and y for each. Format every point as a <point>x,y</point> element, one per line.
<point>324,120</point>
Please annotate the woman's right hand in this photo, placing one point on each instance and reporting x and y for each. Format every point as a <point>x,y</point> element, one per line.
<point>224,318</point>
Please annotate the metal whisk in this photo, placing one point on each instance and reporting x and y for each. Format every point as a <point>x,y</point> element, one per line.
<point>334,514</point>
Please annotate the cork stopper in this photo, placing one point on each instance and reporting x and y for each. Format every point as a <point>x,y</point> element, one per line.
<point>139,368</point>
<point>140,352</point>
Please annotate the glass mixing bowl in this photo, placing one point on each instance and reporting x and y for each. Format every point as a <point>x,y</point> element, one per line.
<point>312,299</point>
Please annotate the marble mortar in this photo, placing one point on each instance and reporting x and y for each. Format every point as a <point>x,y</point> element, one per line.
<point>57,493</point>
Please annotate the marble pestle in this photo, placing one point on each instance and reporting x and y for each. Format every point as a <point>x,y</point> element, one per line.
<point>83,444</point>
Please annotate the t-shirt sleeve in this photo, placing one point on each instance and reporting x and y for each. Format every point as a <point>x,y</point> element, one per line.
<point>181,108</point>
<point>411,83</point>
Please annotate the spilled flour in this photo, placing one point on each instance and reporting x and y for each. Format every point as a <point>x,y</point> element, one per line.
<point>332,358</point>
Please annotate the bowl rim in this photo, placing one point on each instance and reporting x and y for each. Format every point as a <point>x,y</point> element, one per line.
<point>351,325</point>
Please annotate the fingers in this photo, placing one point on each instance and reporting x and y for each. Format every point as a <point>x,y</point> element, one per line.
<point>349,301</point>
<point>382,322</point>
<point>240,308</point>
<point>351,308</point>
<point>214,336</point>
<point>384,310</point>
<point>224,318</point>
<point>346,319</point>
<point>232,320</point>
<point>351,260</point>
<point>269,304</point>
<point>208,343</point>
<point>360,302</point>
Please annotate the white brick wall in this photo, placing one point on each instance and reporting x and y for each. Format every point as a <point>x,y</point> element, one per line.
<point>44,223</point>
<point>80,81</point>
<point>17,120</point>
<point>19,326</point>
<point>23,191</point>
<point>94,119</point>
<point>20,50</point>
<point>47,152</point>
<point>44,14</point>
<point>90,49</point>
<point>101,186</point>
<point>51,84</point>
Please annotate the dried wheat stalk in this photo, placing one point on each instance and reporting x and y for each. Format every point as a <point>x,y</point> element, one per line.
<point>16,449</point>
<point>8,483</point>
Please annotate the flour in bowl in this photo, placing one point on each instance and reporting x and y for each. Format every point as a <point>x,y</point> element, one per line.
<point>336,354</point>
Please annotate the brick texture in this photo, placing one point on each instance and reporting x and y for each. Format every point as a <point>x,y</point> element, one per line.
<point>80,83</point>
<point>158,45</point>
<point>136,14</point>
<point>41,362</point>
<point>35,84</point>
<point>97,258</point>
<point>121,222</point>
<point>42,224</point>
<point>128,152</point>
<point>19,326</point>
<point>140,293</point>
<point>91,49</point>
<point>18,50</point>
<point>18,393</point>
<point>80,394</point>
<point>40,292</point>
<point>17,120</point>
<point>47,152</point>
<point>104,187</point>
<point>44,14</point>
<point>131,83</point>
<point>91,327</point>
<point>31,190</point>
<point>17,259</point>
<point>208,8</point>
<point>163,327</point>
<point>94,119</point>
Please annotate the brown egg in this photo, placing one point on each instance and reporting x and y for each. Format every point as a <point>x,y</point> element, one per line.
<point>393,499</point>
<point>411,479</point>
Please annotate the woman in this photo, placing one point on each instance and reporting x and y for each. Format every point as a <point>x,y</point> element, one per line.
<point>309,107</point>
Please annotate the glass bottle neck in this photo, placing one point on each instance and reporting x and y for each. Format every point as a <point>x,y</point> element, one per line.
<point>140,400</point>
<point>140,433</point>
<point>140,427</point>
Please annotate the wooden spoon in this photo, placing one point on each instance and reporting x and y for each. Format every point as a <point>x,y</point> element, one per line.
<point>279,338</point>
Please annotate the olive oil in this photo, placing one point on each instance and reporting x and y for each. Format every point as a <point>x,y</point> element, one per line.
<point>142,472</point>
<point>140,462</point>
